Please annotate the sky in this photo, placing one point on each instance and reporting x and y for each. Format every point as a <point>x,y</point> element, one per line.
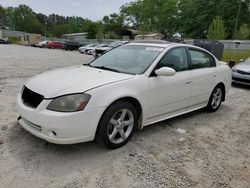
<point>92,9</point>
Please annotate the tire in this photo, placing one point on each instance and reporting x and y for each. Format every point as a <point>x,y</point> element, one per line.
<point>215,99</point>
<point>117,125</point>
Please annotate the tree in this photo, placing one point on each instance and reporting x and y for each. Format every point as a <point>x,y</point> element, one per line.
<point>216,30</point>
<point>22,18</point>
<point>195,16</point>
<point>113,23</point>
<point>155,16</point>
<point>2,16</point>
<point>244,32</point>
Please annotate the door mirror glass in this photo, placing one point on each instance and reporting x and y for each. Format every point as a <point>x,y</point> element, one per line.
<point>165,71</point>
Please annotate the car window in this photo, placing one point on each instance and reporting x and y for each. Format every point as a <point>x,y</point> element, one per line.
<point>176,59</point>
<point>201,59</point>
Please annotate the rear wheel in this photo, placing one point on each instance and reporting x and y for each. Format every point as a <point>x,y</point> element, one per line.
<point>215,99</point>
<point>117,125</point>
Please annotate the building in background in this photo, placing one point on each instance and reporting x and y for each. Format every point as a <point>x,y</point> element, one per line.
<point>75,36</point>
<point>151,36</point>
<point>29,39</point>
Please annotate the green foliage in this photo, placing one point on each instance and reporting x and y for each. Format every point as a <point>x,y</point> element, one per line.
<point>229,54</point>
<point>2,15</point>
<point>14,40</point>
<point>191,18</point>
<point>155,16</point>
<point>113,23</point>
<point>244,32</point>
<point>99,34</point>
<point>216,30</point>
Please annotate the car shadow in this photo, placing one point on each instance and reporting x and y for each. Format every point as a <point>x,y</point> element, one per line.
<point>40,156</point>
<point>241,86</point>
<point>59,160</point>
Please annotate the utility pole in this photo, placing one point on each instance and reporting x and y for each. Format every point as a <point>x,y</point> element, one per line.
<point>45,29</point>
<point>237,19</point>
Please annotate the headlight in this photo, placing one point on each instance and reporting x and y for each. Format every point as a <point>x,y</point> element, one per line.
<point>69,103</point>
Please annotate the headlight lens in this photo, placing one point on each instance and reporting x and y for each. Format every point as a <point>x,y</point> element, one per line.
<point>69,103</point>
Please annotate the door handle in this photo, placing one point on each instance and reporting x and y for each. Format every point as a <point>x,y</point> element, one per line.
<point>214,75</point>
<point>189,82</point>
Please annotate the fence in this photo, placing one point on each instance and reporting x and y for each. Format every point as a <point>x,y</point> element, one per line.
<point>230,44</point>
<point>10,33</point>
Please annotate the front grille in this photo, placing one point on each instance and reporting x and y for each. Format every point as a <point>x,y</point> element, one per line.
<point>243,72</point>
<point>30,98</point>
<point>241,80</point>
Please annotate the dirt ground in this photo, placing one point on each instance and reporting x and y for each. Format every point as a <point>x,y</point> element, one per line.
<point>213,152</point>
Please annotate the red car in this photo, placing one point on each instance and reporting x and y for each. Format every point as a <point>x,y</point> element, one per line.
<point>58,45</point>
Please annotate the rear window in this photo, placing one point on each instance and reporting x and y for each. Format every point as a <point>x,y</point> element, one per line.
<point>201,59</point>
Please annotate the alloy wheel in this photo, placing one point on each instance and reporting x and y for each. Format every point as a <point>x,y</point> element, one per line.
<point>120,126</point>
<point>216,98</point>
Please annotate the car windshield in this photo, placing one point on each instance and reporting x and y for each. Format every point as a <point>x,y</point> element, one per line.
<point>130,59</point>
<point>89,45</point>
<point>115,44</point>
<point>247,62</point>
<point>100,45</point>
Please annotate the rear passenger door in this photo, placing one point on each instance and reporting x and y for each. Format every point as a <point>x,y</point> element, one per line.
<point>203,76</point>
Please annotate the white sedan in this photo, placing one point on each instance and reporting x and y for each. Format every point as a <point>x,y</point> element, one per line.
<point>42,44</point>
<point>130,87</point>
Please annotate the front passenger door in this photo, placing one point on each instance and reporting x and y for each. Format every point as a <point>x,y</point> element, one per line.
<point>169,95</point>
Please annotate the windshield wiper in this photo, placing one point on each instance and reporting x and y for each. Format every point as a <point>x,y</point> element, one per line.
<point>105,68</point>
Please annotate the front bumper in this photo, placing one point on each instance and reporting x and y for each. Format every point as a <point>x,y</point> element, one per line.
<point>59,127</point>
<point>240,78</point>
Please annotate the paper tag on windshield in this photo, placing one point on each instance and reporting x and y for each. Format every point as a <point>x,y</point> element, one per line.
<point>154,49</point>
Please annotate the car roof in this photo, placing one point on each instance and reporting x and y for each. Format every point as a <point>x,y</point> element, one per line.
<point>156,43</point>
<point>162,44</point>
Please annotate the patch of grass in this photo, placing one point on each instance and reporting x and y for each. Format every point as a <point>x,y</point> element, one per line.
<point>229,55</point>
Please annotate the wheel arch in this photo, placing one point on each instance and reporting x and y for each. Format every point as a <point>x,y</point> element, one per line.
<point>135,102</point>
<point>222,85</point>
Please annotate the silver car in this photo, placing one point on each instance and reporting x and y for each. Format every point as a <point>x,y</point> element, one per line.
<point>241,73</point>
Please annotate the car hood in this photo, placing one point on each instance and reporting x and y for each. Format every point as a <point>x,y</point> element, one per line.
<point>242,67</point>
<point>74,79</point>
<point>90,48</point>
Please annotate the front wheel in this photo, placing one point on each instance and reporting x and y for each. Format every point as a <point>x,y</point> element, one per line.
<point>215,99</point>
<point>117,125</point>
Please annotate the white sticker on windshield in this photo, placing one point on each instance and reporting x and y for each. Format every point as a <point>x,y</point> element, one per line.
<point>154,49</point>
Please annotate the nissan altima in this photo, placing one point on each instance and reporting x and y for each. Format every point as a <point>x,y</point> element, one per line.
<point>128,88</point>
<point>241,73</point>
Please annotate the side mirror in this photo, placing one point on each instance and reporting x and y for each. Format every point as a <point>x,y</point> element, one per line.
<point>165,71</point>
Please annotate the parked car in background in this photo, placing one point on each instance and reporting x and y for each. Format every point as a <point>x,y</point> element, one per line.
<point>83,48</point>
<point>129,87</point>
<point>5,41</point>
<point>54,44</point>
<point>68,45</point>
<point>87,49</point>
<point>101,50</point>
<point>92,51</point>
<point>42,44</point>
<point>241,72</point>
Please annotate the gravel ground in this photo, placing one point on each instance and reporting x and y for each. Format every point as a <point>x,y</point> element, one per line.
<point>213,152</point>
